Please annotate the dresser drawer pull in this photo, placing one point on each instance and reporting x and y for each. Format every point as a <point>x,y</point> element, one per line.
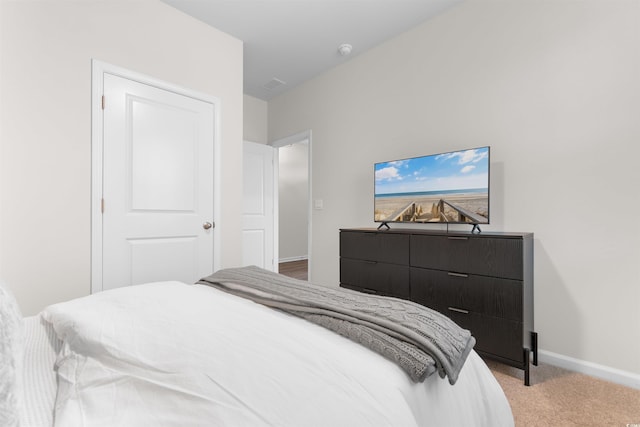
<point>457,274</point>
<point>457,238</point>
<point>458,310</point>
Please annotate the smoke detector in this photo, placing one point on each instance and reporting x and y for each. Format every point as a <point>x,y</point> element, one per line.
<point>345,49</point>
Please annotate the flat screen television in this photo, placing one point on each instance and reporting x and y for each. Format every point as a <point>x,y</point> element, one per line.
<point>450,188</point>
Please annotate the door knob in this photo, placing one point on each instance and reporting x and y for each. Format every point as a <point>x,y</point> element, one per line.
<point>207,225</point>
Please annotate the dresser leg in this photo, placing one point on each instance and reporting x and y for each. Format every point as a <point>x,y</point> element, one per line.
<point>526,366</point>
<point>534,345</point>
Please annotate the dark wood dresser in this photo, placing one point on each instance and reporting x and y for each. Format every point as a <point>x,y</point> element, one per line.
<point>483,281</point>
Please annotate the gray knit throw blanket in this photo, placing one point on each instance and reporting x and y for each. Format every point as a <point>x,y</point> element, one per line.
<point>416,338</point>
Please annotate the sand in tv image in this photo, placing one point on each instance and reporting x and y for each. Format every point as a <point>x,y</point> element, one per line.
<point>449,187</point>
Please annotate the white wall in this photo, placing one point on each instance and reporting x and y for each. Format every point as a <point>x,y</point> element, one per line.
<point>293,201</point>
<point>47,47</point>
<point>255,120</point>
<point>553,87</point>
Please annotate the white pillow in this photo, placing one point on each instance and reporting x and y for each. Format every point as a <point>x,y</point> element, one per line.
<point>11,353</point>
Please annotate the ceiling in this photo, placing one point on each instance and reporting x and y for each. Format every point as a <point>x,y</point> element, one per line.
<point>292,41</point>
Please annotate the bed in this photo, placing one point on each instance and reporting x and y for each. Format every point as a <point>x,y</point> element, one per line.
<point>172,354</point>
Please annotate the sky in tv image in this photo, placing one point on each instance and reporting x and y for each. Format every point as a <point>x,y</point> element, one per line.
<point>448,172</point>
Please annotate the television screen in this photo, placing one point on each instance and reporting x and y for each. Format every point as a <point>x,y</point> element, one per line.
<point>440,188</point>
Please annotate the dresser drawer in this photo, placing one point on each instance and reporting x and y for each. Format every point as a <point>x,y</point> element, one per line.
<point>487,296</point>
<point>494,337</point>
<point>498,337</point>
<point>389,248</point>
<point>377,277</point>
<point>486,256</point>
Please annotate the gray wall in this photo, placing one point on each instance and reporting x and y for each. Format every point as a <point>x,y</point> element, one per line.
<point>553,88</point>
<point>255,120</point>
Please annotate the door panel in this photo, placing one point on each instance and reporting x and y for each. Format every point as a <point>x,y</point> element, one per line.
<point>157,185</point>
<point>258,218</point>
<point>254,240</point>
<point>164,162</point>
<point>145,254</point>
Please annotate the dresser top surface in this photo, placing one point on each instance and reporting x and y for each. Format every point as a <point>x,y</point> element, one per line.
<point>514,235</point>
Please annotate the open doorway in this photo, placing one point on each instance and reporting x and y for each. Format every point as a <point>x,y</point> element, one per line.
<point>294,219</point>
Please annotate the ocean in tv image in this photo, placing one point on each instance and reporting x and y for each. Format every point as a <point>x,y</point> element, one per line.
<point>449,187</point>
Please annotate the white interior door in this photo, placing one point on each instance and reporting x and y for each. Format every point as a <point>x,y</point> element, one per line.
<point>158,185</point>
<point>259,246</point>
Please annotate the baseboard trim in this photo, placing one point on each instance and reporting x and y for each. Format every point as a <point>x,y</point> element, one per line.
<point>613,375</point>
<point>293,258</point>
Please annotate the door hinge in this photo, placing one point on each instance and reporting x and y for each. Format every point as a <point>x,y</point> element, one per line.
<point>102,102</point>
<point>102,205</point>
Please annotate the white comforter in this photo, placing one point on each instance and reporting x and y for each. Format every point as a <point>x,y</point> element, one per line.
<point>170,354</point>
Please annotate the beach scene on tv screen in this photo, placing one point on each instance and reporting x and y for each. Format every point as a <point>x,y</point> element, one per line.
<point>450,187</point>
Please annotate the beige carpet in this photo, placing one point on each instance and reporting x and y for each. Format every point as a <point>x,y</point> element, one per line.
<point>558,398</point>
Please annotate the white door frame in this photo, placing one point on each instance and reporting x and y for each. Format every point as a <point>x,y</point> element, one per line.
<point>289,140</point>
<point>98,69</point>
